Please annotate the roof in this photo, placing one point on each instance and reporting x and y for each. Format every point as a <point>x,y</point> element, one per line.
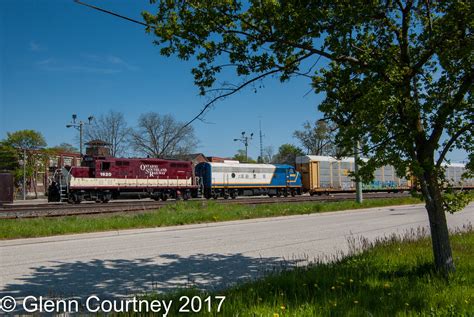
<point>320,158</point>
<point>97,142</point>
<point>241,165</point>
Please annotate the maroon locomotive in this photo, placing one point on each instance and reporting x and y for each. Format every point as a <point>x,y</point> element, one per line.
<point>102,178</point>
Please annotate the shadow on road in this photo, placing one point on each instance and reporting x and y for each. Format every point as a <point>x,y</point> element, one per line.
<point>114,278</point>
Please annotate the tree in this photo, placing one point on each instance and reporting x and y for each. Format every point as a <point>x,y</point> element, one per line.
<point>111,128</point>
<point>27,144</point>
<point>287,154</point>
<point>240,156</point>
<point>268,154</point>
<point>317,139</point>
<point>65,147</point>
<point>398,74</point>
<point>8,158</point>
<point>162,136</point>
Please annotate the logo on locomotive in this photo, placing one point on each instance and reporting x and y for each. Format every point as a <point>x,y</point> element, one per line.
<point>152,170</point>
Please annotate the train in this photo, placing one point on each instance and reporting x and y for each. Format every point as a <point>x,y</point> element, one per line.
<point>325,174</point>
<point>232,179</point>
<point>102,179</point>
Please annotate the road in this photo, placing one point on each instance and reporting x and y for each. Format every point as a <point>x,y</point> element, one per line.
<point>214,255</point>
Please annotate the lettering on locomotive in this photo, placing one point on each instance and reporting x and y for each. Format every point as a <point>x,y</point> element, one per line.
<point>152,170</point>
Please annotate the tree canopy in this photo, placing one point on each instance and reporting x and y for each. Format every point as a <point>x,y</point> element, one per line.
<point>287,154</point>
<point>162,136</point>
<point>397,75</point>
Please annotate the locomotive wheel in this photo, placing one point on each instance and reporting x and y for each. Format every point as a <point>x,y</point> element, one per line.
<point>186,195</point>
<point>293,193</point>
<point>164,197</point>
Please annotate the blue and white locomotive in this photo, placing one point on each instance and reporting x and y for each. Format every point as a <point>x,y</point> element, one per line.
<point>232,179</point>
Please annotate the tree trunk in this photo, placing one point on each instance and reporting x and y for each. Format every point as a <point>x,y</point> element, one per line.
<point>443,258</point>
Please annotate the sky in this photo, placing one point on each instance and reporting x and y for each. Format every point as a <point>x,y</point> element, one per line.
<point>58,58</point>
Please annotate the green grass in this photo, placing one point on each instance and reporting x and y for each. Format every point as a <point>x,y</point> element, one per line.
<point>392,278</point>
<point>176,214</point>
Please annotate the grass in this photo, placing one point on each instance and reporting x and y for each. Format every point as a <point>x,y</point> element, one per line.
<point>177,214</point>
<point>390,278</point>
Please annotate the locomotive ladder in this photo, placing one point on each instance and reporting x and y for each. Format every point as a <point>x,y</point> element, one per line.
<point>63,188</point>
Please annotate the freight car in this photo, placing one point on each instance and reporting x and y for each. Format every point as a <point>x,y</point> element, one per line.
<point>325,174</point>
<point>232,179</point>
<point>101,179</point>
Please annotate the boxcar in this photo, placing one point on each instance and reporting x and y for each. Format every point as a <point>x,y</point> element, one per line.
<point>323,174</point>
<point>454,176</point>
<point>236,179</point>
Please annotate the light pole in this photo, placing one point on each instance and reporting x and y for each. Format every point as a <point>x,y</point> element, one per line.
<point>359,197</point>
<point>24,173</point>
<point>79,126</point>
<point>245,140</point>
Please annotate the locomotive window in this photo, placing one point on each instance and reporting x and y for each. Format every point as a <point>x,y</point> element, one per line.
<point>105,166</point>
<point>173,164</point>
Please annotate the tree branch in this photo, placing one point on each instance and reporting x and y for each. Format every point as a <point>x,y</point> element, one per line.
<point>451,142</point>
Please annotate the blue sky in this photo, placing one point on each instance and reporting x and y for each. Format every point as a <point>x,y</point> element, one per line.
<point>59,58</point>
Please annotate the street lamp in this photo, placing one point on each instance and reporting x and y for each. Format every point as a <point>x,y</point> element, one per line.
<point>79,126</point>
<point>245,140</point>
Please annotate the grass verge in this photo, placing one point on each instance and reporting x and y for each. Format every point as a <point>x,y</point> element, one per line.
<point>177,214</point>
<point>392,278</point>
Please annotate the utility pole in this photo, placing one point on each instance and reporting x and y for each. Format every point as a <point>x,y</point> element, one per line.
<point>80,127</point>
<point>359,197</point>
<point>24,173</point>
<point>261,140</point>
<point>245,140</point>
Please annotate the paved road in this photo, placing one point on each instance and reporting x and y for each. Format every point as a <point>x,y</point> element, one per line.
<point>214,255</point>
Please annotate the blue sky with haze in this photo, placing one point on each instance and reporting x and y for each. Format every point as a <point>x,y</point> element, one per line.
<point>59,58</point>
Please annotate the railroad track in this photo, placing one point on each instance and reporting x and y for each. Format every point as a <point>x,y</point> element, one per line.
<point>61,210</point>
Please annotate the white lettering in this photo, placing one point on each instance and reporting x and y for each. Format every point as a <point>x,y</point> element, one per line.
<point>89,308</point>
<point>34,306</point>
<point>152,170</point>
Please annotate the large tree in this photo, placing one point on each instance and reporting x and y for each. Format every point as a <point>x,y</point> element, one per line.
<point>398,74</point>
<point>162,136</point>
<point>111,128</point>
